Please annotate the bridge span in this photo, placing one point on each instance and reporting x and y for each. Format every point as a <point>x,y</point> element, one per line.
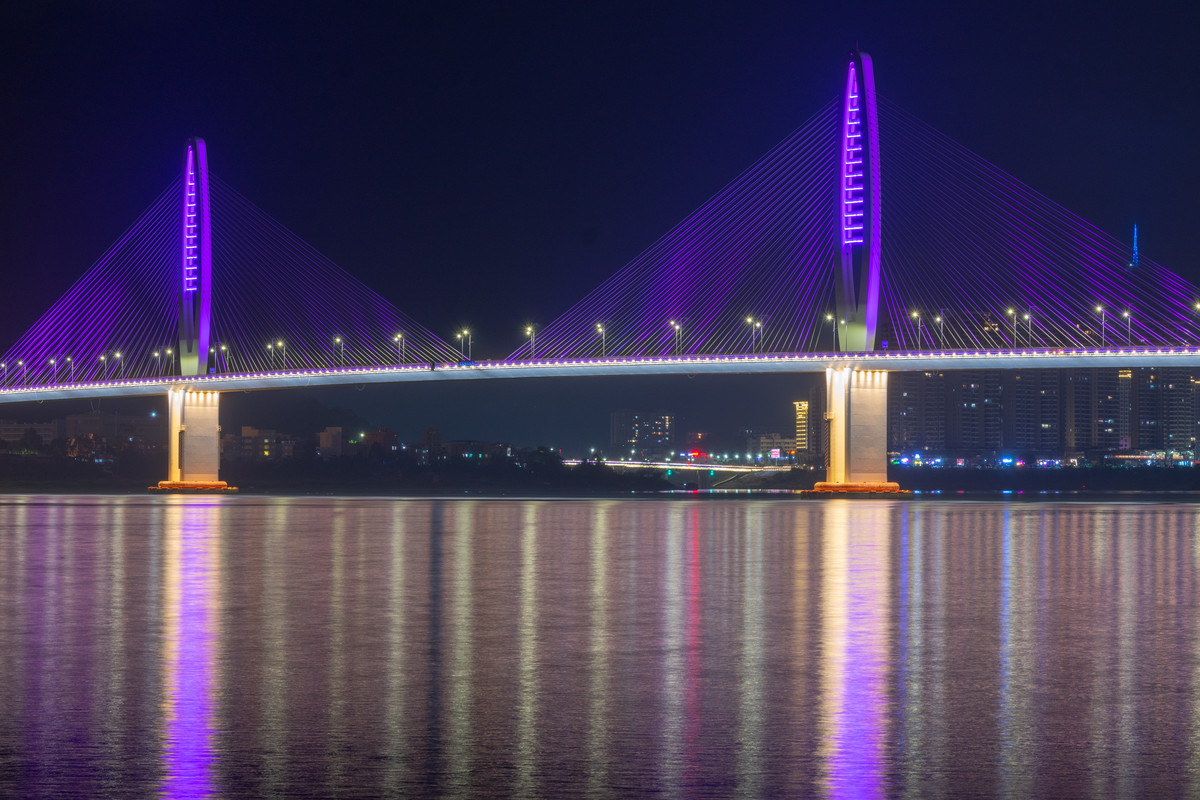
<point>882,361</point>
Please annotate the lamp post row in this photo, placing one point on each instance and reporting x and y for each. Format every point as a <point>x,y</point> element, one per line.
<point>755,328</point>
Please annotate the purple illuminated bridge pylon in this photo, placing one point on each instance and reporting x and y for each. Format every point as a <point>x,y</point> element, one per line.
<point>195,286</point>
<point>857,268</point>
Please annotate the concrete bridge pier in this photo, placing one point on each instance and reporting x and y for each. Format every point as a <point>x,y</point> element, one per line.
<point>856,416</point>
<point>195,443</point>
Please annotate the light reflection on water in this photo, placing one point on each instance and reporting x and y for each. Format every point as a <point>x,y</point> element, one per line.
<point>187,647</point>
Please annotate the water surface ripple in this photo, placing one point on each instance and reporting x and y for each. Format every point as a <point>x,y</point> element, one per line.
<point>295,647</point>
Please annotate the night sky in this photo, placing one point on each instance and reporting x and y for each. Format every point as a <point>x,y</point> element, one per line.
<point>487,165</point>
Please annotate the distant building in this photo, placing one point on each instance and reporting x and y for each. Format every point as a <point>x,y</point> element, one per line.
<point>917,413</point>
<point>431,446</point>
<point>12,432</point>
<point>1031,412</point>
<point>386,438</point>
<point>471,450</point>
<point>973,413</point>
<point>1147,409</point>
<point>802,432</point>
<point>329,443</point>
<point>1125,427</point>
<point>763,446</point>
<point>117,432</point>
<point>265,444</point>
<point>1178,410</point>
<point>638,433</point>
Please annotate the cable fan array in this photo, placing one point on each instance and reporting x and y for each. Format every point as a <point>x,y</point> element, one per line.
<point>116,317</point>
<point>277,304</point>
<point>972,258</point>
<point>286,306</point>
<point>749,271</point>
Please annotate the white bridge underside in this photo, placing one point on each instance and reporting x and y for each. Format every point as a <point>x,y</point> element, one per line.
<point>684,365</point>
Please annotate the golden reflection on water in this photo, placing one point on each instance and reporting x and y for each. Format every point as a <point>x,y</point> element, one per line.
<point>460,734</point>
<point>275,646</point>
<point>598,656</point>
<point>1194,743</point>
<point>395,744</point>
<point>751,679</point>
<point>527,635</point>
<point>854,649</point>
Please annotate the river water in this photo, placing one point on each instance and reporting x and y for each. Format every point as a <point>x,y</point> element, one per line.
<point>295,647</point>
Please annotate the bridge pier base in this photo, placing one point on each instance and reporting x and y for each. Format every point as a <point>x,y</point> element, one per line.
<point>195,443</point>
<point>856,415</point>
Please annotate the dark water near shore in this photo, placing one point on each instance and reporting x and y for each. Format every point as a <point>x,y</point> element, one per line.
<point>229,647</point>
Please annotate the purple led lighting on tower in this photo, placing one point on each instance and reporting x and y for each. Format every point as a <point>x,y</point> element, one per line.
<point>857,274</point>
<point>195,298</point>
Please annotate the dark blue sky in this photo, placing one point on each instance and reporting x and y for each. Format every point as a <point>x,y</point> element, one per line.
<point>488,164</point>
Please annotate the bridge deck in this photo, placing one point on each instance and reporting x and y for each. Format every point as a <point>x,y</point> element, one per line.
<point>1182,356</point>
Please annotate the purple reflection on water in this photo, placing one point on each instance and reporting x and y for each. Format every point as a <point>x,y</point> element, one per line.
<point>864,712</point>
<point>190,630</point>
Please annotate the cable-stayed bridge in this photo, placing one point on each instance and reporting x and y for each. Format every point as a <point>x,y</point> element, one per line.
<point>804,263</point>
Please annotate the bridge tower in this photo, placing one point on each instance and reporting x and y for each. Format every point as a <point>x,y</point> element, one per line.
<point>856,401</point>
<point>195,433</point>
<point>857,267</point>
<point>195,294</point>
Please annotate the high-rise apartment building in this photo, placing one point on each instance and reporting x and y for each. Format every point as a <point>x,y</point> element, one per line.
<point>802,432</point>
<point>917,412</point>
<point>973,413</point>
<point>1031,412</point>
<point>1178,410</point>
<point>1147,408</point>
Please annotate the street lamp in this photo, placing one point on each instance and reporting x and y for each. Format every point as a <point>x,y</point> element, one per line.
<point>224,362</point>
<point>70,369</point>
<point>157,364</point>
<point>171,359</point>
<point>1012,313</point>
<point>1100,311</point>
<point>917,316</point>
<point>532,341</point>
<point>678,333</point>
<point>466,334</point>
<point>1128,327</point>
<point>399,340</point>
<point>270,356</point>
<point>941,323</point>
<point>337,340</point>
<point>21,364</point>
<point>755,325</point>
<point>832,332</point>
<point>1028,328</point>
<point>603,348</point>
<point>4,366</point>
<point>104,366</point>
<point>117,358</point>
<point>53,372</point>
